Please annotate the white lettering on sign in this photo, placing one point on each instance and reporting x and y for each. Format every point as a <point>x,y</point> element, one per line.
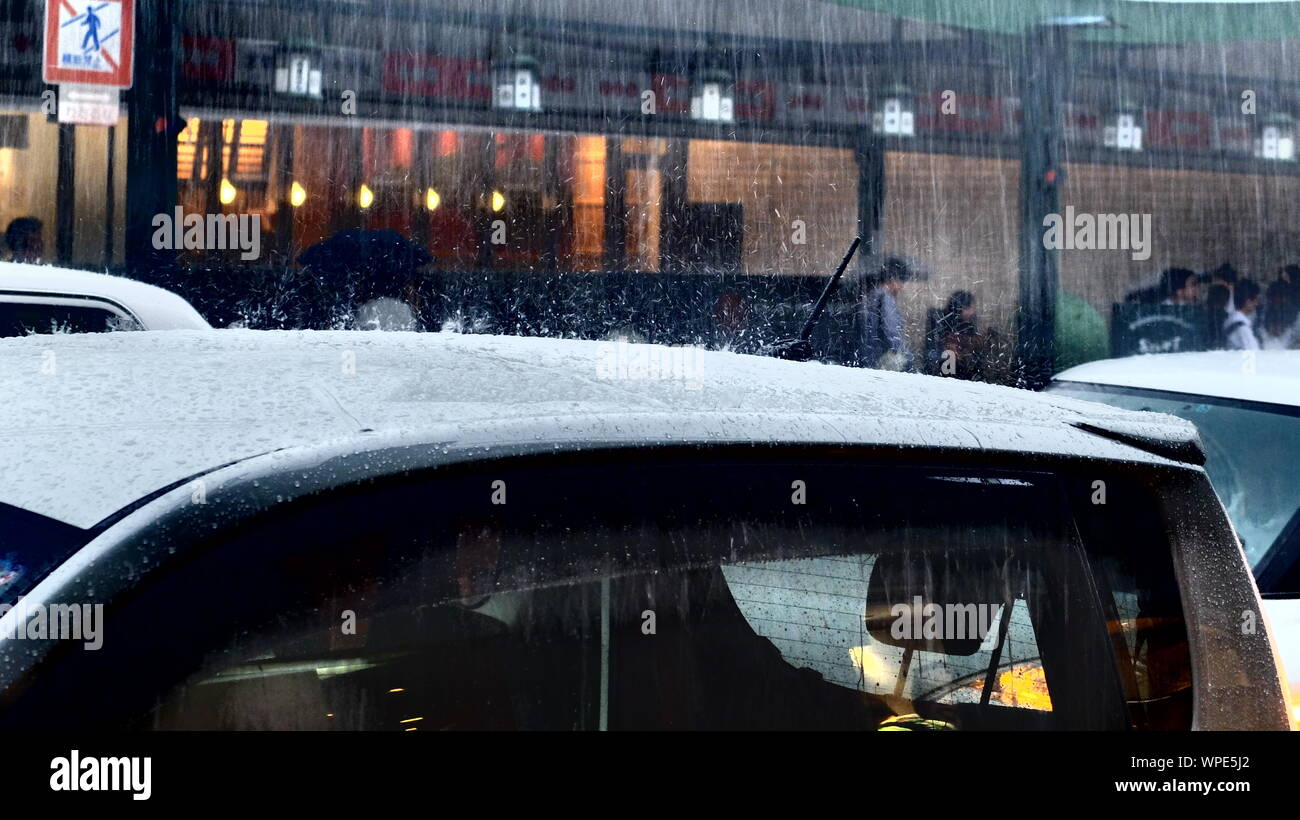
<point>88,105</point>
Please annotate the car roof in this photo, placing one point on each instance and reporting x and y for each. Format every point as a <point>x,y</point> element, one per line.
<point>156,308</point>
<point>1268,376</point>
<point>95,422</point>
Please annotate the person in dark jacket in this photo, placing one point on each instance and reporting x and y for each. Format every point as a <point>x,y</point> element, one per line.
<point>25,239</point>
<point>954,345</point>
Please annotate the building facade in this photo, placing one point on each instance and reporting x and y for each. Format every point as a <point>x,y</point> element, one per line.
<point>612,160</point>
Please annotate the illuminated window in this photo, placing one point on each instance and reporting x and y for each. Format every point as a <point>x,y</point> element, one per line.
<point>187,150</point>
<point>589,202</point>
<point>248,139</point>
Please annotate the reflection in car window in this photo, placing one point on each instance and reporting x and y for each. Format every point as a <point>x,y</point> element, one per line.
<point>731,614</point>
<point>811,610</point>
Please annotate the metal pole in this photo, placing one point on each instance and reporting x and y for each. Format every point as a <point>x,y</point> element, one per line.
<point>110,200</point>
<point>1042,88</point>
<point>153,108</point>
<point>66,222</point>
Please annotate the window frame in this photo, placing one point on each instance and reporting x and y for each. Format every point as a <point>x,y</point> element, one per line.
<point>114,309</point>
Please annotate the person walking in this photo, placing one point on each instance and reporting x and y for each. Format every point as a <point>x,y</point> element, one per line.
<point>1239,327</point>
<point>883,340</point>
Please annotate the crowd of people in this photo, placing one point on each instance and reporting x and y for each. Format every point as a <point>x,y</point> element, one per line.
<point>1241,314</point>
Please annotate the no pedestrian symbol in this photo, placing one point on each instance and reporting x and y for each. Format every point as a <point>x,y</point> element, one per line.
<point>89,42</point>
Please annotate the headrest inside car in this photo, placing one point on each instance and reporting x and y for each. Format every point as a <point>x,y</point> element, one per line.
<point>944,602</point>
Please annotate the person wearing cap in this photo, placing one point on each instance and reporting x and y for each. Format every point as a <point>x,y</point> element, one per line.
<point>883,340</point>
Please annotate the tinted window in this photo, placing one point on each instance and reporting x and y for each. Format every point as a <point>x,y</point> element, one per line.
<point>720,596</point>
<point>23,319</point>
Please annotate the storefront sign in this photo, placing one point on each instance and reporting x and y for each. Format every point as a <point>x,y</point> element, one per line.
<point>965,113</point>
<point>1178,129</point>
<point>89,43</point>
<point>430,75</point>
<point>208,58</point>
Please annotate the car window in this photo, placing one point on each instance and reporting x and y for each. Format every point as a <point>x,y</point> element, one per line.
<point>1251,452</point>
<point>653,598</point>
<point>27,318</point>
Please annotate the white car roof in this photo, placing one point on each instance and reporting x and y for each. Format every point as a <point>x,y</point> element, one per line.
<point>93,422</point>
<point>1270,376</point>
<point>156,308</point>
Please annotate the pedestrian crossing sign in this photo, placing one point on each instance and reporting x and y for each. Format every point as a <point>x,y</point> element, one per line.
<point>89,42</point>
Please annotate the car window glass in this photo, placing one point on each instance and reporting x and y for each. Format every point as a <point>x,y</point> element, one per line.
<point>731,614</point>
<point>1256,483</point>
<point>24,319</point>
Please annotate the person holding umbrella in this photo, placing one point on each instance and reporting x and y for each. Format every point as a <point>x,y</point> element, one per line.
<point>369,279</point>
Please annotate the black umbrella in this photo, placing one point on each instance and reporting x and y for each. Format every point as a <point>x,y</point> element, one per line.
<point>377,262</point>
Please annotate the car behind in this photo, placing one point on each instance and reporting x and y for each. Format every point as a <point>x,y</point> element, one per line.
<point>43,299</point>
<point>1246,406</point>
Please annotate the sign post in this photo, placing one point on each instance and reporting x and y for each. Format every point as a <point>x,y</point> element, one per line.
<point>89,50</point>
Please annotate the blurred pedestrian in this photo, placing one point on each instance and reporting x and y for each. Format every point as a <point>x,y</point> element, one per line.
<point>369,280</point>
<point>954,345</point>
<point>1279,326</point>
<point>1239,326</point>
<point>883,339</point>
<point>1226,276</point>
<point>26,240</point>
<point>1217,297</point>
<point>1180,286</point>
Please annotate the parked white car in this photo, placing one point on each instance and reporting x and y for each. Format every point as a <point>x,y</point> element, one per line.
<point>523,533</point>
<point>46,299</point>
<point>1246,405</point>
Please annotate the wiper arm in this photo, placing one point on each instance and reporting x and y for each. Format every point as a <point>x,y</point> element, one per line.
<point>799,349</point>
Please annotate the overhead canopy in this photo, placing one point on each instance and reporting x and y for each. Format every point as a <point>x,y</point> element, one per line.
<point>1134,21</point>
